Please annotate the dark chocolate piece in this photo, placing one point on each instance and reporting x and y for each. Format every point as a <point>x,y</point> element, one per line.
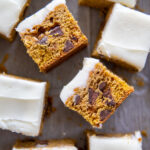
<point>107,93</point>
<point>68,46</point>
<point>110,103</point>
<point>43,40</point>
<point>74,39</point>
<point>76,99</point>
<point>102,86</point>
<point>104,114</point>
<point>92,96</point>
<point>56,31</point>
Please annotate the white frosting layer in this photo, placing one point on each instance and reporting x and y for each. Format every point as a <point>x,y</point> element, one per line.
<point>126,36</point>
<point>21,105</point>
<point>39,16</point>
<point>80,80</point>
<point>129,3</point>
<point>49,148</point>
<point>9,15</point>
<point>127,142</point>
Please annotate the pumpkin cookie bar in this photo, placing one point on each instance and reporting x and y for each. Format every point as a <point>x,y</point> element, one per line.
<point>46,145</point>
<point>125,38</point>
<point>95,92</point>
<point>107,3</point>
<point>51,35</point>
<point>22,104</point>
<point>114,141</point>
<point>11,11</point>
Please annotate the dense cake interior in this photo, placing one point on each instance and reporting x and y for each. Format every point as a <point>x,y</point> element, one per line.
<point>56,36</point>
<point>103,93</point>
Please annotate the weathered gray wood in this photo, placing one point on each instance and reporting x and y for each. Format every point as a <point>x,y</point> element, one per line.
<point>133,114</point>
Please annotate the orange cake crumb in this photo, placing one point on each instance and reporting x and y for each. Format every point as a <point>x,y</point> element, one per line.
<point>56,38</point>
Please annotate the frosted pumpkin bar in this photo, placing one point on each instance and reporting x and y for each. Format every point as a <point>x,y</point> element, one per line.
<point>107,3</point>
<point>11,11</point>
<point>125,38</point>
<point>115,141</point>
<point>95,92</point>
<point>22,103</point>
<point>46,145</point>
<point>51,35</point>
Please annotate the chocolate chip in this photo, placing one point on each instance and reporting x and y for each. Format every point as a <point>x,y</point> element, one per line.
<point>92,96</point>
<point>68,46</point>
<point>110,103</point>
<point>56,31</point>
<point>102,86</point>
<point>104,114</point>
<point>74,39</point>
<point>43,40</point>
<point>107,93</point>
<point>76,99</point>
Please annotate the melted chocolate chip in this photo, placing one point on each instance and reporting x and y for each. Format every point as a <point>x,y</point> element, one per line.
<point>76,99</point>
<point>74,39</point>
<point>92,96</point>
<point>56,31</point>
<point>43,40</point>
<point>107,93</point>
<point>110,103</point>
<point>102,86</point>
<point>104,114</point>
<point>68,46</point>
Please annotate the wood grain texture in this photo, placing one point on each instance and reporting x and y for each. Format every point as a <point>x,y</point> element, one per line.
<point>133,114</point>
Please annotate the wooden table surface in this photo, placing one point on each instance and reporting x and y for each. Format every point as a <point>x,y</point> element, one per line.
<point>133,114</point>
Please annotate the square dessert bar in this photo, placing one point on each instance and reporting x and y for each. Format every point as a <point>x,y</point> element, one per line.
<point>22,103</point>
<point>107,3</point>
<point>51,35</point>
<point>95,92</point>
<point>125,38</point>
<point>11,12</point>
<point>114,141</point>
<point>46,145</point>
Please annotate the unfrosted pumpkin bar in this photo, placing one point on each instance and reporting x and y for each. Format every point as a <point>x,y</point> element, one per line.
<point>51,35</point>
<point>95,92</point>
<point>11,11</point>
<point>107,3</point>
<point>66,144</point>
<point>129,141</point>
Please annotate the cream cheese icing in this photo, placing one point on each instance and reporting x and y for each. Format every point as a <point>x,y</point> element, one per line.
<point>9,15</point>
<point>80,80</point>
<point>126,142</point>
<point>49,148</point>
<point>120,38</point>
<point>39,16</point>
<point>129,3</point>
<point>21,105</point>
